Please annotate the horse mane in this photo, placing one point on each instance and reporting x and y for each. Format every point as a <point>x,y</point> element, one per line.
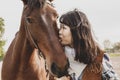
<point>35,4</point>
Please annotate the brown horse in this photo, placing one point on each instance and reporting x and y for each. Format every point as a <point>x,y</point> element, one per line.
<point>37,31</point>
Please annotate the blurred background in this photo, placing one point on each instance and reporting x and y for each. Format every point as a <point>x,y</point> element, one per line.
<point>104,16</point>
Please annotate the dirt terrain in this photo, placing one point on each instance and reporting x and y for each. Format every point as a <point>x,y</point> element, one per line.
<point>116,64</point>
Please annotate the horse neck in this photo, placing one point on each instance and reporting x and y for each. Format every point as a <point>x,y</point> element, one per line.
<point>25,55</point>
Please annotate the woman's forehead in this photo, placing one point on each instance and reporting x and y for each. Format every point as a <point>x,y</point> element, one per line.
<point>63,25</point>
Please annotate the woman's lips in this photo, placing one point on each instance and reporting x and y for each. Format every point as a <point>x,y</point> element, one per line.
<point>60,39</point>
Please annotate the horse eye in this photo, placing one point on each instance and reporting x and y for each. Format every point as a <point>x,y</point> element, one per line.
<point>29,20</point>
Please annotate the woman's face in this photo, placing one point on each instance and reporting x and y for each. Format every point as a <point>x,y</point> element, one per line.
<point>65,35</point>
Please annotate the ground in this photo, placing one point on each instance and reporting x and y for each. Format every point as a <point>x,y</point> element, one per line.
<point>116,64</point>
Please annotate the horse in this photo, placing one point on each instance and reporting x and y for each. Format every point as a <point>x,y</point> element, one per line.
<point>38,31</point>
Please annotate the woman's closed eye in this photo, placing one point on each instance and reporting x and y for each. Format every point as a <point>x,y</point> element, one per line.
<point>64,27</point>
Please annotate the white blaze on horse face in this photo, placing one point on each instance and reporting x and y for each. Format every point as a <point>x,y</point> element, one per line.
<point>44,19</point>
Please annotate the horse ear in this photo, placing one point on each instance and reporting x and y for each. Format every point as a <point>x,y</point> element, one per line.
<point>25,1</point>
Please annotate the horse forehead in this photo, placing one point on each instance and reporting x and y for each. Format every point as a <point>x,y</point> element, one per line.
<point>51,9</point>
<point>48,12</point>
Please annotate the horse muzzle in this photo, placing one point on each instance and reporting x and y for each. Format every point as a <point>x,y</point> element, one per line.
<point>59,72</point>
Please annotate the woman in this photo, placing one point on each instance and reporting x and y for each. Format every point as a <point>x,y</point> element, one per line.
<point>83,52</point>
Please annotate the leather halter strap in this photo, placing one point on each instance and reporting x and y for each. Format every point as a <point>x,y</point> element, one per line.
<point>36,46</point>
<point>34,43</point>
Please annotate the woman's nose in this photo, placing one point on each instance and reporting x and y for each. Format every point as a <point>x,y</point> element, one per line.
<point>60,31</point>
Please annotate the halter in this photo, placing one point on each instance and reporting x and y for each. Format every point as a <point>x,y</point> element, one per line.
<point>36,46</point>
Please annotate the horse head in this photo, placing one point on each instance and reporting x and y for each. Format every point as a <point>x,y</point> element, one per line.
<point>39,24</point>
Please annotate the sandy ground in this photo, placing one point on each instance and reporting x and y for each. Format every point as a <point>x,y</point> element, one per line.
<point>114,60</point>
<point>116,64</point>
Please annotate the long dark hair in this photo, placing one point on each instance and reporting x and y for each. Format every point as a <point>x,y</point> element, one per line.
<point>83,42</point>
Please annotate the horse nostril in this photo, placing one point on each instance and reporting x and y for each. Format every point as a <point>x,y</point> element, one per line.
<point>58,71</point>
<point>54,69</point>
